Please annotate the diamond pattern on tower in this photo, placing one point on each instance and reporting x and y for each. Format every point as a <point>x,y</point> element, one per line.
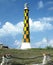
<point>26,34</point>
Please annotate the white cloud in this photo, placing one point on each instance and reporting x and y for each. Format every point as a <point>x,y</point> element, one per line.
<point>0,23</point>
<point>40,4</point>
<point>17,44</point>
<point>44,40</point>
<point>50,2</point>
<point>44,43</point>
<point>1,43</point>
<point>9,28</point>
<point>39,25</point>
<point>46,19</point>
<point>51,8</point>
<point>13,0</point>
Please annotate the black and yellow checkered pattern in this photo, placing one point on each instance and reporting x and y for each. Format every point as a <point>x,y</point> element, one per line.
<point>26,33</point>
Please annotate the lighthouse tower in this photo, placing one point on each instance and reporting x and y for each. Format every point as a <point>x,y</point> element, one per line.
<point>26,31</point>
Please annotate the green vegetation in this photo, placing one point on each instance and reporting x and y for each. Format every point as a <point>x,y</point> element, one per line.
<point>34,55</point>
<point>49,47</point>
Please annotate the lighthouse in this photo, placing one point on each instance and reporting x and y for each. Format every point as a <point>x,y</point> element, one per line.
<point>26,30</point>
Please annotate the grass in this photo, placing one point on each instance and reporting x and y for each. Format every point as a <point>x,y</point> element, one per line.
<point>26,56</point>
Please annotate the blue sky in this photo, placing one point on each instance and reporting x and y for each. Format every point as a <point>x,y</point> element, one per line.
<point>40,19</point>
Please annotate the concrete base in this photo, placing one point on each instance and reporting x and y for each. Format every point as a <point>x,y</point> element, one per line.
<point>25,46</point>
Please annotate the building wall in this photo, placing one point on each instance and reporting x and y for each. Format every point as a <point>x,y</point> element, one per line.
<point>1,45</point>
